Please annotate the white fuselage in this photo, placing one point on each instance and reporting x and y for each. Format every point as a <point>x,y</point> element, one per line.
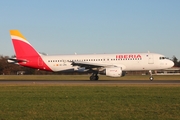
<point>127,61</point>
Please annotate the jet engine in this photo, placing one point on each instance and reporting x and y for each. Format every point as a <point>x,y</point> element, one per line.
<point>113,72</point>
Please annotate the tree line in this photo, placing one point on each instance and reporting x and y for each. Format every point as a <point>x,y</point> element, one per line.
<point>12,69</point>
<point>176,61</point>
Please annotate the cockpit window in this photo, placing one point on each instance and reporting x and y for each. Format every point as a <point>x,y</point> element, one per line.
<point>162,58</point>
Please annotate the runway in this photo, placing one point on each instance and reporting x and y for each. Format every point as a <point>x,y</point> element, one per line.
<point>86,82</point>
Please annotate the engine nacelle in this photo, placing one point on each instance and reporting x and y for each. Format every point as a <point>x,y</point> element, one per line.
<point>114,72</point>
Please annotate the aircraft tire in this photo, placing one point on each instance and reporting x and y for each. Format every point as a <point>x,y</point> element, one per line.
<point>151,78</point>
<point>97,77</point>
<point>92,77</point>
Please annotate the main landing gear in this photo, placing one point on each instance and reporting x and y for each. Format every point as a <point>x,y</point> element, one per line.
<point>94,76</point>
<point>151,78</point>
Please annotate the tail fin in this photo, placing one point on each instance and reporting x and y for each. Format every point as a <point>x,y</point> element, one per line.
<point>26,55</point>
<point>21,46</point>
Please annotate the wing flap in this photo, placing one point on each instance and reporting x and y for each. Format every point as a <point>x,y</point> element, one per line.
<point>89,65</point>
<point>100,66</point>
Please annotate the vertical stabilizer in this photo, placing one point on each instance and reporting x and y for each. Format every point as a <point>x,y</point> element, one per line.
<point>26,55</point>
<point>21,46</point>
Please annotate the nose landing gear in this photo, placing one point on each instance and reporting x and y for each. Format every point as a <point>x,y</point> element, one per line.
<point>151,78</point>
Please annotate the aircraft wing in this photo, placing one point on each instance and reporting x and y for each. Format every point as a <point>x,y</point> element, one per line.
<point>89,65</point>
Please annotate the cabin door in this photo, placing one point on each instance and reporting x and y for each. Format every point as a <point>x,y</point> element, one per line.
<point>150,59</point>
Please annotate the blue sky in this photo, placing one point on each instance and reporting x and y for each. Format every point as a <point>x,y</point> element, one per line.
<point>93,26</point>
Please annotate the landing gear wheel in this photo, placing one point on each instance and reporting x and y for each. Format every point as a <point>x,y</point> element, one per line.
<point>94,77</point>
<point>97,77</point>
<point>151,78</point>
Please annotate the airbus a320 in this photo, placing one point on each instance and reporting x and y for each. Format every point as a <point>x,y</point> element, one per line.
<point>113,65</point>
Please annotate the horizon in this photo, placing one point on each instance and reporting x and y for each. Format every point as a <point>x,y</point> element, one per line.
<point>88,27</point>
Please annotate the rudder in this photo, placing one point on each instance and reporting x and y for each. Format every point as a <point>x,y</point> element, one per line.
<point>21,46</point>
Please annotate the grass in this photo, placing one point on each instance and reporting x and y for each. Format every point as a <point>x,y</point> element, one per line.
<point>121,102</point>
<point>84,77</point>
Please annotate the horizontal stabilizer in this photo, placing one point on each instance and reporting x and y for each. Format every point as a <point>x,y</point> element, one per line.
<point>15,61</point>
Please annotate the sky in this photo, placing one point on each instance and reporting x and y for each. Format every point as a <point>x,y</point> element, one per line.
<point>93,26</point>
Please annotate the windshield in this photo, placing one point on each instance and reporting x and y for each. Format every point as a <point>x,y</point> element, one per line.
<point>162,58</point>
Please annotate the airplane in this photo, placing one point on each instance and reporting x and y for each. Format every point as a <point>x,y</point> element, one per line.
<point>112,65</point>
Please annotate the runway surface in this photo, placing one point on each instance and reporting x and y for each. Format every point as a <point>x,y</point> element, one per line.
<point>85,82</point>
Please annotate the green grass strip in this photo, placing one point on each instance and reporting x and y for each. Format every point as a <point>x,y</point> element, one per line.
<point>157,102</point>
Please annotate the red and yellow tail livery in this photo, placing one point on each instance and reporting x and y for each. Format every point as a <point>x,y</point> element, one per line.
<point>26,55</point>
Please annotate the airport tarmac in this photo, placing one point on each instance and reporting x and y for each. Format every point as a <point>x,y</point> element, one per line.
<point>86,82</point>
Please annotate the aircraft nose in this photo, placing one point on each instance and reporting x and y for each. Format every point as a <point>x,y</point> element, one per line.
<point>171,63</point>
